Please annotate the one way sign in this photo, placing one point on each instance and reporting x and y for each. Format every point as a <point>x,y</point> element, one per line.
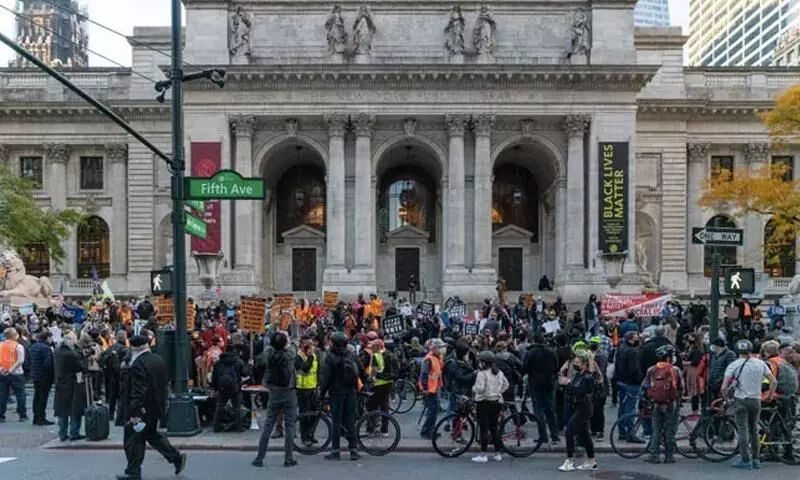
<point>723,237</point>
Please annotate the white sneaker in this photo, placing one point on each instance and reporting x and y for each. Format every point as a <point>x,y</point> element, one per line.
<point>480,459</point>
<point>588,465</point>
<point>498,457</point>
<point>567,466</point>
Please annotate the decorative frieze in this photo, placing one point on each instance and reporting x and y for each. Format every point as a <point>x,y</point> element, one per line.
<point>363,123</point>
<point>576,125</point>
<point>456,123</point>
<point>697,152</point>
<point>337,124</point>
<point>57,152</point>
<point>483,124</point>
<point>527,127</point>
<point>756,152</point>
<point>117,152</point>
<point>243,125</point>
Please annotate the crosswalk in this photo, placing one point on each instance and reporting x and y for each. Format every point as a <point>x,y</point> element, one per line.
<point>7,459</point>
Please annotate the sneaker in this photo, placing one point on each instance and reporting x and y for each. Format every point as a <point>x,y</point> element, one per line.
<point>498,457</point>
<point>257,463</point>
<point>756,464</point>
<point>588,466</point>
<point>333,456</point>
<point>742,465</point>
<point>289,463</point>
<point>180,464</point>
<point>567,466</point>
<point>654,459</point>
<point>354,456</point>
<point>481,458</point>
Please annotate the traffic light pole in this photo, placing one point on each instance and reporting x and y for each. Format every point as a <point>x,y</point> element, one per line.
<point>714,310</point>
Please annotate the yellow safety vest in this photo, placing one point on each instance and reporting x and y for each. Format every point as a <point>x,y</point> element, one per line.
<point>308,381</point>
<point>378,356</point>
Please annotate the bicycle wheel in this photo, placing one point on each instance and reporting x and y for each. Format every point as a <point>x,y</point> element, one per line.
<point>627,449</point>
<point>378,433</point>
<point>684,436</point>
<point>403,397</point>
<point>519,434</point>
<point>722,438</point>
<point>701,442</point>
<point>313,433</point>
<point>458,440</point>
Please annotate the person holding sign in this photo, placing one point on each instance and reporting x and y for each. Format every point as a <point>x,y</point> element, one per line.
<point>307,367</point>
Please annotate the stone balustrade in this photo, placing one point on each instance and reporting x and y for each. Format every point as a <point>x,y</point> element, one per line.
<point>738,84</point>
<point>31,85</point>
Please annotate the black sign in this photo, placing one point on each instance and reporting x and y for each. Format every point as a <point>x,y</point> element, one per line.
<point>471,328</point>
<point>724,237</point>
<point>161,282</point>
<point>427,308</point>
<point>740,280</point>
<point>614,198</point>
<point>458,310</point>
<point>449,303</point>
<point>393,325</point>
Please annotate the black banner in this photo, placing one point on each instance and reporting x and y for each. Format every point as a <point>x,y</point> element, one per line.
<point>614,198</point>
<point>393,325</point>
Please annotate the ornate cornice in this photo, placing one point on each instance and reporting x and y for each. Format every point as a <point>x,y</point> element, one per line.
<point>483,124</point>
<point>117,152</point>
<point>456,124</point>
<point>363,123</point>
<point>57,152</point>
<point>756,152</point>
<point>576,125</point>
<point>73,112</point>
<point>243,125</point>
<point>337,124</point>
<point>697,152</point>
<point>701,109</point>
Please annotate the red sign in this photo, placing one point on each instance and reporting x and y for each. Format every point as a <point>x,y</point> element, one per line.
<point>643,305</point>
<point>206,161</point>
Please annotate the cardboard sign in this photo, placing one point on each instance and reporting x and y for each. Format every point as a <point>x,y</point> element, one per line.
<point>165,310</point>
<point>191,313</point>
<point>330,299</point>
<point>284,301</point>
<point>253,311</point>
<point>393,325</point>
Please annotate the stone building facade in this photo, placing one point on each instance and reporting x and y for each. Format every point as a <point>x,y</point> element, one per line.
<point>453,142</point>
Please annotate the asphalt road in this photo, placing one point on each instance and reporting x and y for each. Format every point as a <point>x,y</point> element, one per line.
<point>91,465</point>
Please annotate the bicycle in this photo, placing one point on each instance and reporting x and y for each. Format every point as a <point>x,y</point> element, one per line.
<point>513,434</point>
<point>684,443</point>
<point>371,421</point>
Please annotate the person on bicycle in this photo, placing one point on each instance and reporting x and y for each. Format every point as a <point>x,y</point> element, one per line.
<point>663,386</point>
<point>580,394</point>
<point>307,367</point>
<point>490,384</point>
<point>785,389</point>
<point>380,365</point>
<point>459,376</point>
<point>342,378</point>
<point>430,383</point>
<point>744,377</point>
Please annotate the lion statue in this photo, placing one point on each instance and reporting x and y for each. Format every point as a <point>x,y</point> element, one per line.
<point>18,283</point>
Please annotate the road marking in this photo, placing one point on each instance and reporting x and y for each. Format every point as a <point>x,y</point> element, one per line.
<point>7,459</point>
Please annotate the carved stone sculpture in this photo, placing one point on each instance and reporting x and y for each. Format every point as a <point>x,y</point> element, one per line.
<point>641,262</point>
<point>483,35</point>
<point>454,32</point>
<point>409,126</point>
<point>239,33</point>
<point>337,36</point>
<point>581,41</point>
<point>363,31</point>
<point>17,283</point>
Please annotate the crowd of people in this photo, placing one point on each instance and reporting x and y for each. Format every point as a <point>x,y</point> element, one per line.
<point>568,374</point>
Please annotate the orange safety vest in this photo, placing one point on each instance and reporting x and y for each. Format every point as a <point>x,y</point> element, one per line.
<point>377,307</point>
<point>8,354</point>
<point>434,375</point>
<point>747,312</point>
<point>774,364</point>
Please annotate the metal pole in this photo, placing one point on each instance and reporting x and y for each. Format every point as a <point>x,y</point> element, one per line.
<point>714,310</point>
<point>182,420</point>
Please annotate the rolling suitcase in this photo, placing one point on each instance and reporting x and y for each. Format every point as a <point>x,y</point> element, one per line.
<point>97,416</point>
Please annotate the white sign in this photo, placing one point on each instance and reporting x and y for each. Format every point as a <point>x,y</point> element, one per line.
<point>552,326</point>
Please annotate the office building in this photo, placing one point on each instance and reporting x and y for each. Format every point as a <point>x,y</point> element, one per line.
<point>651,13</point>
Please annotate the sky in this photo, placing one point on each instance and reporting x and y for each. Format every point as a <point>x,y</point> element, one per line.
<point>123,15</point>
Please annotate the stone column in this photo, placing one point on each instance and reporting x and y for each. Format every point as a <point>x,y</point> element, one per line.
<point>336,241</point>
<point>117,154</point>
<point>242,127</point>
<point>364,204</point>
<point>697,159</point>
<point>482,210</point>
<point>575,126</point>
<point>755,155</point>
<point>561,230</point>
<point>455,193</point>
<point>56,157</point>
<point>4,155</point>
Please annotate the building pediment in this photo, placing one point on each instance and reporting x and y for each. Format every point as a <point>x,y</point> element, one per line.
<point>303,233</point>
<point>512,232</point>
<point>408,232</point>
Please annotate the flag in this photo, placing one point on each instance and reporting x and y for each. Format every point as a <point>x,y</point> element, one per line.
<point>107,294</point>
<point>95,276</point>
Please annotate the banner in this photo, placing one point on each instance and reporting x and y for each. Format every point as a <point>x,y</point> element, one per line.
<point>393,325</point>
<point>206,161</point>
<point>643,305</point>
<point>614,197</point>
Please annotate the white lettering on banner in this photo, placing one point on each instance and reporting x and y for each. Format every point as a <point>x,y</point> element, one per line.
<point>643,305</point>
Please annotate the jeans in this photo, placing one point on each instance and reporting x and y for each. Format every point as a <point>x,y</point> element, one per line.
<point>280,402</point>
<point>598,421</point>
<point>74,425</point>
<point>628,400</point>
<point>431,413</point>
<point>223,397</point>
<point>542,401</point>
<point>578,426</point>
<point>746,413</point>
<point>41,391</point>
<point>17,382</point>
<point>665,421</point>
<point>343,415</point>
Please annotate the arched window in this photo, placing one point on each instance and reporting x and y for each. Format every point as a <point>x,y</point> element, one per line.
<point>727,254</point>
<point>36,258</point>
<point>407,197</point>
<point>94,248</point>
<point>779,250</point>
<point>300,199</point>
<point>515,199</point>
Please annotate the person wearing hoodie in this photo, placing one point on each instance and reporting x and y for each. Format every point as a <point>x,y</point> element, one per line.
<point>459,376</point>
<point>541,365</point>
<point>342,378</point>
<point>651,346</point>
<point>226,386</point>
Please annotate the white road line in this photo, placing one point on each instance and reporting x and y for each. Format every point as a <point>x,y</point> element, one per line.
<point>7,459</point>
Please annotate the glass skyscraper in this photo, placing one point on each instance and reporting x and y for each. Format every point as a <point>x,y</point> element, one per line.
<point>652,13</point>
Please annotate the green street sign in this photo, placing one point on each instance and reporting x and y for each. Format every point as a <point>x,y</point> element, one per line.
<point>197,205</point>
<point>196,227</point>
<point>225,185</point>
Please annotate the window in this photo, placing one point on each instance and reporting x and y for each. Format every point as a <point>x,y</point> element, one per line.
<point>407,196</point>
<point>779,250</point>
<point>30,168</point>
<point>727,254</point>
<point>91,173</point>
<point>718,164</point>
<point>94,251</point>
<point>36,257</point>
<point>788,163</point>
<point>301,199</point>
<point>515,199</point>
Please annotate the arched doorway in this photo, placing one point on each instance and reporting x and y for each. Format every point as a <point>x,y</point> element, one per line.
<point>94,252</point>
<point>727,255</point>
<point>294,219</point>
<point>780,252</point>
<point>523,215</point>
<point>408,219</point>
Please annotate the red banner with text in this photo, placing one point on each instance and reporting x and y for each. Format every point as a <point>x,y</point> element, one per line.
<point>642,304</point>
<point>206,161</point>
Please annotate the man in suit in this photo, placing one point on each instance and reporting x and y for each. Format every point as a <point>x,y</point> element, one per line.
<point>146,404</point>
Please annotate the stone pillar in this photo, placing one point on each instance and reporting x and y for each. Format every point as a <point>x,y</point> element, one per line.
<point>456,238</point>
<point>336,241</point>
<point>56,157</point>
<point>117,154</point>
<point>561,231</point>
<point>482,210</point>
<point>242,127</point>
<point>755,154</point>
<point>697,158</point>
<point>4,156</point>
<point>365,199</point>
<point>575,126</point>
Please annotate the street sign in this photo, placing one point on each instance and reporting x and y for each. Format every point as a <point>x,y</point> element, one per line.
<point>161,282</point>
<point>740,280</point>
<point>225,185</point>
<point>197,205</point>
<point>717,236</point>
<point>196,227</point>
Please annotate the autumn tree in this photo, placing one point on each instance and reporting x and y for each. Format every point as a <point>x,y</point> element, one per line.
<point>24,223</point>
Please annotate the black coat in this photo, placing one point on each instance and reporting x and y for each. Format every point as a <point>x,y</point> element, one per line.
<point>541,365</point>
<point>70,396</point>
<point>146,389</point>
<point>649,356</point>
<point>42,362</point>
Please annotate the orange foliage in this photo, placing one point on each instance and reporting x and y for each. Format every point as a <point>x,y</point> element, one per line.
<point>783,121</point>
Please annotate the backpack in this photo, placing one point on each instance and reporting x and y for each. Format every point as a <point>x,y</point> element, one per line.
<point>349,371</point>
<point>110,361</point>
<point>228,378</point>
<point>278,370</point>
<point>391,366</point>
<point>663,385</point>
<point>787,379</point>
